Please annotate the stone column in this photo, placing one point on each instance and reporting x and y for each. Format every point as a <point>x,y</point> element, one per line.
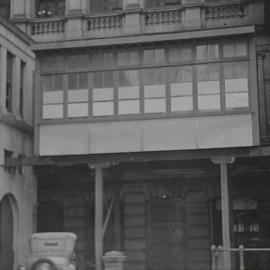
<point>3,77</point>
<point>225,207</point>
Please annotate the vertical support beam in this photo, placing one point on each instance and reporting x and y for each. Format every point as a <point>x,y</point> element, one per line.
<point>98,216</point>
<point>3,78</point>
<point>225,208</point>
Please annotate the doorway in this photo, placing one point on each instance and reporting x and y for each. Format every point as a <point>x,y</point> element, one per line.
<point>6,234</point>
<point>166,243</point>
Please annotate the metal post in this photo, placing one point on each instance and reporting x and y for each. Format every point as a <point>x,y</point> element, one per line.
<point>241,257</point>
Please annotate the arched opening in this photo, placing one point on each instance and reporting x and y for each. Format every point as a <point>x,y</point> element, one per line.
<point>6,234</point>
<point>5,9</point>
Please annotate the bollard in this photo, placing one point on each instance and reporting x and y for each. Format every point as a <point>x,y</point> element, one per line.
<point>114,260</point>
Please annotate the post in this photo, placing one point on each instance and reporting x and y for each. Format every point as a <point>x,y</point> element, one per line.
<point>225,208</point>
<point>98,217</point>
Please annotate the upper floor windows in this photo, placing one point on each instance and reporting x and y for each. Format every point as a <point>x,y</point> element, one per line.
<point>5,8</point>
<point>161,3</point>
<point>50,8</point>
<point>9,81</point>
<point>105,5</point>
<point>146,81</point>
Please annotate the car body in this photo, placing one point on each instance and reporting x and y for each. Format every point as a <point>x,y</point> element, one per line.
<point>52,251</point>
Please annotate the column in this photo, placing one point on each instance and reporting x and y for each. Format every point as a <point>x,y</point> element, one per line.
<point>98,168</point>
<point>3,77</point>
<point>262,96</point>
<point>225,207</point>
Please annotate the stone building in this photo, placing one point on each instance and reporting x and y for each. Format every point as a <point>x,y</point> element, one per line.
<point>152,128</point>
<point>17,185</point>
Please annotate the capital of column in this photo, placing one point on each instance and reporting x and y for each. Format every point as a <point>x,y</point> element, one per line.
<point>222,160</point>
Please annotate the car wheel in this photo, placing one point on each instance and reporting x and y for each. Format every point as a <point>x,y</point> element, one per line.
<point>43,264</point>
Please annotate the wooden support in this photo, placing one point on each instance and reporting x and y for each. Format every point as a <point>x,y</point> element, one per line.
<point>225,208</point>
<point>98,217</point>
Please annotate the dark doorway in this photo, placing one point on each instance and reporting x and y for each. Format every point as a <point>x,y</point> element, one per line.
<point>6,235</point>
<point>166,243</point>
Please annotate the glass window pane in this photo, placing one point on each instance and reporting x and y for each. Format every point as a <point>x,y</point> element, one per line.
<point>102,94</point>
<point>129,92</point>
<point>77,95</point>
<point>155,105</point>
<point>208,72</point>
<point>228,50</point>
<point>98,59</point>
<point>213,51</point>
<point>159,56</point>
<point>134,57</point>
<point>52,111</point>
<point>174,54</point>
<point>103,108</point>
<point>108,79</point>
<point>148,56</point>
<point>236,85</point>
<point>78,110</point>
<point>154,76</point>
<point>181,89</point>
<point>122,59</point>
<point>241,48</point>
<point>186,53</point>
<point>83,80</point>
<point>108,59</point>
<point>128,77</point>
<point>98,79</point>
<point>58,82</point>
<point>47,83</point>
<point>209,102</point>
<point>152,91</point>
<point>181,104</point>
<point>208,87</point>
<point>52,97</point>
<point>201,52</point>
<point>72,81</point>
<point>237,100</point>
<point>128,106</point>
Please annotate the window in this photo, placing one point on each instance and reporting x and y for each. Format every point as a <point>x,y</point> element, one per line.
<point>5,8</point>
<point>208,85</point>
<point>53,96</point>
<point>236,84</point>
<point>77,98</point>
<point>170,79</point>
<point>181,89</point>
<point>103,94</point>
<point>154,90</point>
<point>20,167</point>
<point>9,81</point>
<point>22,81</point>
<point>161,3</point>
<point>129,92</point>
<point>105,5</point>
<point>50,8</point>
<point>7,155</point>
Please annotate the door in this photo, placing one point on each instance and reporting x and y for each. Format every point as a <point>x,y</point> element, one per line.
<point>6,235</point>
<point>166,243</point>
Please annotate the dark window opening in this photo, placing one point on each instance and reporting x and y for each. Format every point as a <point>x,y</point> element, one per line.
<point>9,81</point>
<point>50,8</point>
<point>7,155</point>
<point>105,5</point>
<point>161,3</point>
<point>5,9</point>
<point>22,81</point>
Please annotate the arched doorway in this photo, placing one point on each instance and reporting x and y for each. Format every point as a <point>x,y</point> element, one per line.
<point>6,234</point>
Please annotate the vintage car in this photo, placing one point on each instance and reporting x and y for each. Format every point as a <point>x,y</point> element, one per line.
<point>52,251</point>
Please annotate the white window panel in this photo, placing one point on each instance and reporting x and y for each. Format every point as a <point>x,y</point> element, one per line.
<point>78,110</point>
<point>181,104</point>
<point>78,95</point>
<point>155,105</point>
<point>209,102</point>
<point>151,91</point>
<point>52,111</point>
<point>128,92</point>
<point>103,108</point>
<point>236,85</point>
<point>129,107</point>
<point>237,100</point>
<point>181,89</point>
<point>52,97</point>
<point>102,94</point>
<point>208,87</point>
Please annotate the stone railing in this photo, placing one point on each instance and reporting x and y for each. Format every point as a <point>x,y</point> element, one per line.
<point>165,16</point>
<point>48,26</point>
<point>217,11</point>
<point>104,21</point>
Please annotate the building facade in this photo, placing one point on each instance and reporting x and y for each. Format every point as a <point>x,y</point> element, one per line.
<point>17,185</point>
<point>152,128</point>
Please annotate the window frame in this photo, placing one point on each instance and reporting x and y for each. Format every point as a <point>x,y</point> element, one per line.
<point>141,66</point>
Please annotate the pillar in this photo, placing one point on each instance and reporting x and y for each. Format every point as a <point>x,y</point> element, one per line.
<point>225,207</point>
<point>3,76</point>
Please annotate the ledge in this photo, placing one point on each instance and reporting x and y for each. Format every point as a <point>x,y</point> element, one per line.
<point>82,43</point>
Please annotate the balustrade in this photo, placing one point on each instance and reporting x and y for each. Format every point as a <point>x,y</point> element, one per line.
<point>163,16</point>
<point>101,22</point>
<point>49,26</point>
<point>224,11</point>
